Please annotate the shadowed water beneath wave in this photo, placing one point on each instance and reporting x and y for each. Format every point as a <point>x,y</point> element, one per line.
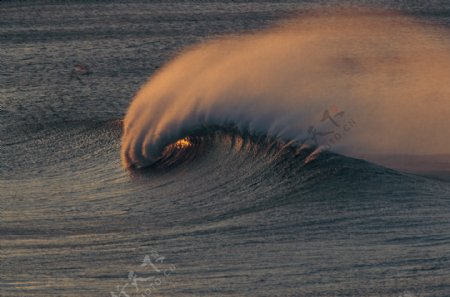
<point>240,216</point>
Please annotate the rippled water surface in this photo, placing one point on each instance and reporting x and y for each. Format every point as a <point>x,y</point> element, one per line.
<point>238,219</point>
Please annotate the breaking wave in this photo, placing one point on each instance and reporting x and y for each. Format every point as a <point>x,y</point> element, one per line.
<point>358,83</point>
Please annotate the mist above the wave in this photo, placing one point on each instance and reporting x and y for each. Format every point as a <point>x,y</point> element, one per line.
<point>389,72</point>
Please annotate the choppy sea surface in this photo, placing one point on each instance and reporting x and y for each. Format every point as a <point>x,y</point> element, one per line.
<point>239,218</point>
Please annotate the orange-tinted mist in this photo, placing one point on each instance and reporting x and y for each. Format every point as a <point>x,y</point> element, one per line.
<point>389,73</point>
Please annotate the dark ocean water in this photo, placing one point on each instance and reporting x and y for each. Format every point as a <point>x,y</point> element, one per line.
<point>239,218</point>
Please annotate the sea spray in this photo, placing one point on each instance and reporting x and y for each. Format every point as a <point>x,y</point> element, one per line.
<point>389,72</point>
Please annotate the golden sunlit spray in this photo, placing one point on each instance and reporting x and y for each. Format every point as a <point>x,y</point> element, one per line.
<point>389,73</point>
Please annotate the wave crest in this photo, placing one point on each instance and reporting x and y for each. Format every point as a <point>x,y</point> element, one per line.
<point>388,73</point>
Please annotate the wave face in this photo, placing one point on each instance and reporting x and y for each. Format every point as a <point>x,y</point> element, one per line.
<point>354,82</point>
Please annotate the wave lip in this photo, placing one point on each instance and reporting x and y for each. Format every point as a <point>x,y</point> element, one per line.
<point>387,73</point>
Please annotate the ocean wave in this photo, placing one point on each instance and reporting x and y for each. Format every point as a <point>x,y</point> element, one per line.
<point>352,82</point>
